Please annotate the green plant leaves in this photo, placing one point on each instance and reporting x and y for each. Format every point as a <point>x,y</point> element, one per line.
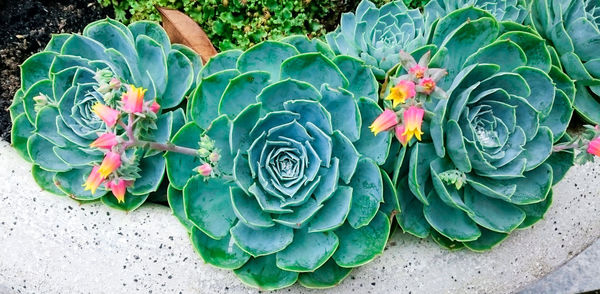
<point>263,273</point>
<point>220,253</point>
<point>301,67</point>
<point>367,193</point>
<point>308,252</point>
<point>359,246</point>
<point>208,206</point>
<point>328,275</point>
<point>262,241</point>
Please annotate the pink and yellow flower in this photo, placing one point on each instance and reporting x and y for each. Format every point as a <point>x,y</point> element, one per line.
<point>94,180</point>
<point>133,99</point>
<point>106,114</point>
<point>403,90</point>
<point>412,119</point>
<point>385,121</point>
<point>399,131</point>
<point>110,163</point>
<point>417,71</point>
<point>428,85</point>
<point>205,169</point>
<point>105,141</point>
<point>594,147</point>
<point>118,188</point>
<point>154,107</point>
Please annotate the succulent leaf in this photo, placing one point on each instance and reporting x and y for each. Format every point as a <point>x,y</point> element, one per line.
<point>376,35</point>
<point>488,166</point>
<point>572,27</point>
<point>53,120</point>
<point>297,164</point>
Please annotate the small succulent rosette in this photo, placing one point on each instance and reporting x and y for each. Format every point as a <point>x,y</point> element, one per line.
<point>502,10</point>
<point>296,193</point>
<point>485,164</point>
<point>376,35</point>
<point>572,27</point>
<point>65,119</point>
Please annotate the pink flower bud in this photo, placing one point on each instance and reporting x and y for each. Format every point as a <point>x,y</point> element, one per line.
<point>594,147</point>
<point>115,84</point>
<point>214,157</point>
<point>107,114</point>
<point>385,121</point>
<point>111,162</point>
<point>205,169</point>
<point>133,99</point>
<point>417,71</point>
<point>428,85</point>
<point>105,141</point>
<point>154,107</point>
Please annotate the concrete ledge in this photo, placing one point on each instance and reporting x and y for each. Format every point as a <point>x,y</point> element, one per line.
<point>50,244</point>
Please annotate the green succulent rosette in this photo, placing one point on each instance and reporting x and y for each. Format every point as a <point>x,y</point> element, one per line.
<point>376,35</point>
<point>300,195</point>
<point>502,10</point>
<point>486,166</point>
<point>572,27</point>
<point>53,122</point>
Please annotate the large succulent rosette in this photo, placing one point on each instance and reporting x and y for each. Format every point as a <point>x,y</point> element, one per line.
<point>53,122</point>
<point>299,195</point>
<point>487,166</point>
<point>502,10</point>
<point>572,27</point>
<point>376,35</point>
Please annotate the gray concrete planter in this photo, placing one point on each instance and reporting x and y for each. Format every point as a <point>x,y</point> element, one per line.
<point>50,244</point>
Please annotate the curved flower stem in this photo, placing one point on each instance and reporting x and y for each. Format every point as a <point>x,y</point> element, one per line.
<point>133,141</point>
<point>559,148</point>
<point>169,147</point>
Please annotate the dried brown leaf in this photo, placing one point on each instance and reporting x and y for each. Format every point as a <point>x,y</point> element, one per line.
<point>184,30</point>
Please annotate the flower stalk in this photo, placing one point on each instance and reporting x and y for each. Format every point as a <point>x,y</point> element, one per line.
<point>121,136</point>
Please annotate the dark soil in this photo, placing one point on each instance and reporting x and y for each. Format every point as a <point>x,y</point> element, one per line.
<point>25,28</point>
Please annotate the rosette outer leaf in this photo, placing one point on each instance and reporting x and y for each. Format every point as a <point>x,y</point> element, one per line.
<point>572,27</point>
<point>502,10</point>
<point>300,187</point>
<point>376,35</point>
<point>53,121</point>
<point>487,167</point>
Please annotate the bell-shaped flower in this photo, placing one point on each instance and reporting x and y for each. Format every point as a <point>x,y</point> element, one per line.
<point>385,121</point>
<point>118,188</point>
<point>107,114</point>
<point>111,162</point>
<point>133,99</point>
<point>94,180</point>
<point>105,141</point>
<point>412,119</point>
<point>403,90</point>
<point>399,132</point>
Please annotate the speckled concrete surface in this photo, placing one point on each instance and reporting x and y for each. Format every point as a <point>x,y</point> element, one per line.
<point>580,274</point>
<point>50,244</point>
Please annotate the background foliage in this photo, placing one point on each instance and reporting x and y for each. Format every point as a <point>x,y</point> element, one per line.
<point>243,23</point>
